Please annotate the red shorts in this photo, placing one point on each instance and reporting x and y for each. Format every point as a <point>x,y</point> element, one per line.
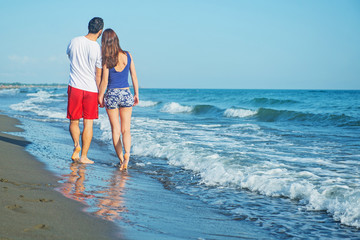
<point>82,104</point>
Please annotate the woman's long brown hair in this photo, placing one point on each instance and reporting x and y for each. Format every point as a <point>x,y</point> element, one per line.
<point>110,48</point>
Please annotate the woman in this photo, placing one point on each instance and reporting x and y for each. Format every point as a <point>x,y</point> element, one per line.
<point>118,99</point>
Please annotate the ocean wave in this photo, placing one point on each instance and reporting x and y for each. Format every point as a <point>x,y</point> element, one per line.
<point>11,91</point>
<point>39,94</point>
<point>143,103</point>
<point>174,107</point>
<point>273,115</point>
<point>272,101</point>
<point>205,109</point>
<point>238,113</point>
<point>44,97</point>
<point>339,200</point>
<point>29,107</point>
<point>309,188</point>
<point>350,123</point>
<point>35,104</point>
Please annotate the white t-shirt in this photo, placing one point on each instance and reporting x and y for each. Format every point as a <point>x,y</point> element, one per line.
<point>84,55</point>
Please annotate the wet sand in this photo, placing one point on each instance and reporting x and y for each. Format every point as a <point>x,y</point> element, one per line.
<point>30,208</point>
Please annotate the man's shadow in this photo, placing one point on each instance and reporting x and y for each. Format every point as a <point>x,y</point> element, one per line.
<point>14,140</point>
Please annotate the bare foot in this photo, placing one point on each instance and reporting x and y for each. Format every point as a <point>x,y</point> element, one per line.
<point>121,157</point>
<point>125,162</point>
<point>75,156</point>
<point>85,160</point>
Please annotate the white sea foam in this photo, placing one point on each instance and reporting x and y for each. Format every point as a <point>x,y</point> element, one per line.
<point>238,113</point>
<point>51,114</point>
<point>11,91</point>
<point>174,107</point>
<point>268,172</point>
<point>208,125</point>
<point>280,182</point>
<point>40,96</point>
<point>143,103</point>
<point>245,126</point>
<point>35,104</point>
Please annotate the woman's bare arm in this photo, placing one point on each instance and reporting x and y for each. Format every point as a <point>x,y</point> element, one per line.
<point>134,81</point>
<point>103,85</point>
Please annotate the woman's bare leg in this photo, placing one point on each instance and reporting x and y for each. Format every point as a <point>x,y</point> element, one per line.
<point>125,117</point>
<point>115,129</point>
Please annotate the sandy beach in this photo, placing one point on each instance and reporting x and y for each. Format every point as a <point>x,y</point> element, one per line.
<point>30,207</point>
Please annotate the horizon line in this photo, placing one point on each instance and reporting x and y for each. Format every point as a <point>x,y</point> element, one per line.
<point>18,84</point>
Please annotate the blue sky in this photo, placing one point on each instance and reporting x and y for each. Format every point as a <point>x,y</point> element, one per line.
<point>252,44</point>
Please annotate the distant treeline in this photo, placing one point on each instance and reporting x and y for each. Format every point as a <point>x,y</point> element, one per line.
<point>18,85</point>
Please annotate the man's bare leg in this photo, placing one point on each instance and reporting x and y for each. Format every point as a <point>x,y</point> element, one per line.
<point>75,135</point>
<point>86,140</point>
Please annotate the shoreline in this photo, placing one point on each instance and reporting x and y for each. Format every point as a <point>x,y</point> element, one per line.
<point>31,208</point>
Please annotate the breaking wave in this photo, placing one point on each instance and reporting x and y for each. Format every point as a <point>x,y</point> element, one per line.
<point>273,115</point>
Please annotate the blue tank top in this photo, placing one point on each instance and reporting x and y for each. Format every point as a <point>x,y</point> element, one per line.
<point>120,79</point>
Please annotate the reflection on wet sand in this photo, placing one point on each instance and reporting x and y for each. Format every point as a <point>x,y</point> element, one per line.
<point>111,203</point>
<point>74,186</point>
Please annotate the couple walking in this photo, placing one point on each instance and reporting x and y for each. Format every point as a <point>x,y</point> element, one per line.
<point>99,77</point>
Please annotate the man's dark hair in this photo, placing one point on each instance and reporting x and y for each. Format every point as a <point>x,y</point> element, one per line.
<point>95,25</point>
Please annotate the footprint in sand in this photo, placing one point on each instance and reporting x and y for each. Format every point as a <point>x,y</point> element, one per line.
<point>4,180</point>
<point>43,200</point>
<point>36,227</point>
<point>16,208</point>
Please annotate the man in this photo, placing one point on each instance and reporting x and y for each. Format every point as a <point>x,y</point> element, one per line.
<point>85,76</point>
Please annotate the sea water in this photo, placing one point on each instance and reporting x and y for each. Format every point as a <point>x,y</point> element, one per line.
<point>285,163</point>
